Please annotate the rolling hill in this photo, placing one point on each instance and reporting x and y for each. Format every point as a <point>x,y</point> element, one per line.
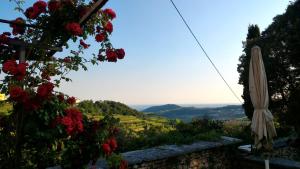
<point>161,108</point>
<point>188,113</point>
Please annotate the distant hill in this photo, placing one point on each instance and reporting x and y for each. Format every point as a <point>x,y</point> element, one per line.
<point>189,113</point>
<point>171,111</point>
<point>166,107</point>
<point>100,107</point>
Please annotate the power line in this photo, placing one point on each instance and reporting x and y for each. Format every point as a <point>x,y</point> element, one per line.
<point>215,67</point>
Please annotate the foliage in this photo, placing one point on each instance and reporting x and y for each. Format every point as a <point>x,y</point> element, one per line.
<point>293,110</point>
<point>243,68</point>
<point>182,133</point>
<point>139,132</point>
<point>102,107</point>
<point>5,108</point>
<point>238,129</point>
<point>280,44</point>
<point>45,128</point>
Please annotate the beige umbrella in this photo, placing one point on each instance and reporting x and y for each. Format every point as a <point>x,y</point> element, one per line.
<point>262,121</point>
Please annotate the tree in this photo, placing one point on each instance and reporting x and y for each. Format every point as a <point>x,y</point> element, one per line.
<point>243,67</point>
<point>107,107</point>
<point>87,106</point>
<point>293,110</point>
<point>280,44</point>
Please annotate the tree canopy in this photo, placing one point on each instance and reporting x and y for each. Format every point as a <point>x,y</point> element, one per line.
<point>107,107</point>
<point>280,44</point>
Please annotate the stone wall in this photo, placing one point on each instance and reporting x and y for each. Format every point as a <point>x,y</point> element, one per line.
<point>199,155</point>
<point>254,162</point>
<point>249,161</point>
<point>222,154</point>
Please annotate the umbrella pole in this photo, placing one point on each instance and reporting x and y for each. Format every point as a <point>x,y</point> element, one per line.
<point>267,164</point>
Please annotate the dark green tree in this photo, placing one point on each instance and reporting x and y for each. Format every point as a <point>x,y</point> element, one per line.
<point>280,44</point>
<point>87,106</point>
<point>243,67</point>
<point>107,107</point>
<point>293,110</point>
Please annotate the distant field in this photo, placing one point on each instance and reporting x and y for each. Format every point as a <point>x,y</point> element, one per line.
<point>137,124</point>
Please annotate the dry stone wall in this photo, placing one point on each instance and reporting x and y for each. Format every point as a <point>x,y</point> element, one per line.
<point>199,155</point>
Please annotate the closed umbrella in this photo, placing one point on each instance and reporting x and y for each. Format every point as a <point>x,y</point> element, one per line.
<point>262,121</point>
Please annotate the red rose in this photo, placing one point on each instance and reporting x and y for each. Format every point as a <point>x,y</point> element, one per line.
<point>44,91</point>
<point>123,165</point>
<point>17,94</point>
<point>61,97</point>
<point>108,27</point>
<point>115,131</point>
<point>72,121</point>
<point>54,5</point>
<point>40,6</point>
<point>71,100</point>
<point>120,53</point>
<point>106,148</point>
<point>113,144</point>
<point>18,26</point>
<point>111,56</point>
<point>100,37</point>
<point>83,44</point>
<point>21,68</point>
<point>10,67</point>
<point>17,70</point>
<point>68,123</point>
<point>67,60</point>
<point>31,13</point>
<point>110,13</point>
<point>74,28</point>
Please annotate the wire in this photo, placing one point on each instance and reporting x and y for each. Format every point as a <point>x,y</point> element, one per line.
<point>215,67</point>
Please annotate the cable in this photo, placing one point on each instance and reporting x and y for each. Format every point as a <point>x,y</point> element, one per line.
<point>215,67</point>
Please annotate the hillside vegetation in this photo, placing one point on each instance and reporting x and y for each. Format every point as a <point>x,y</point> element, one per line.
<point>161,108</point>
<point>100,107</point>
<point>138,130</point>
<point>143,130</point>
<point>187,114</point>
<point>130,119</point>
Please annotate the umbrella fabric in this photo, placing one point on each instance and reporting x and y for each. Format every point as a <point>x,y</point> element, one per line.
<point>262,121</point>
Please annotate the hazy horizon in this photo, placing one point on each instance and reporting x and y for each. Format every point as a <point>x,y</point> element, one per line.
<point>144,106</point>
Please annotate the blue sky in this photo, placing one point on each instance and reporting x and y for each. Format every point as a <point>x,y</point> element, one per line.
<point>163,63</point>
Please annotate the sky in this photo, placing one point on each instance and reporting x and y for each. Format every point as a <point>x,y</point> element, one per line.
<point>163,63</point>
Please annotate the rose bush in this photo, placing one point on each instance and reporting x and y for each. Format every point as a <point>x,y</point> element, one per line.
<point>45,128</point>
